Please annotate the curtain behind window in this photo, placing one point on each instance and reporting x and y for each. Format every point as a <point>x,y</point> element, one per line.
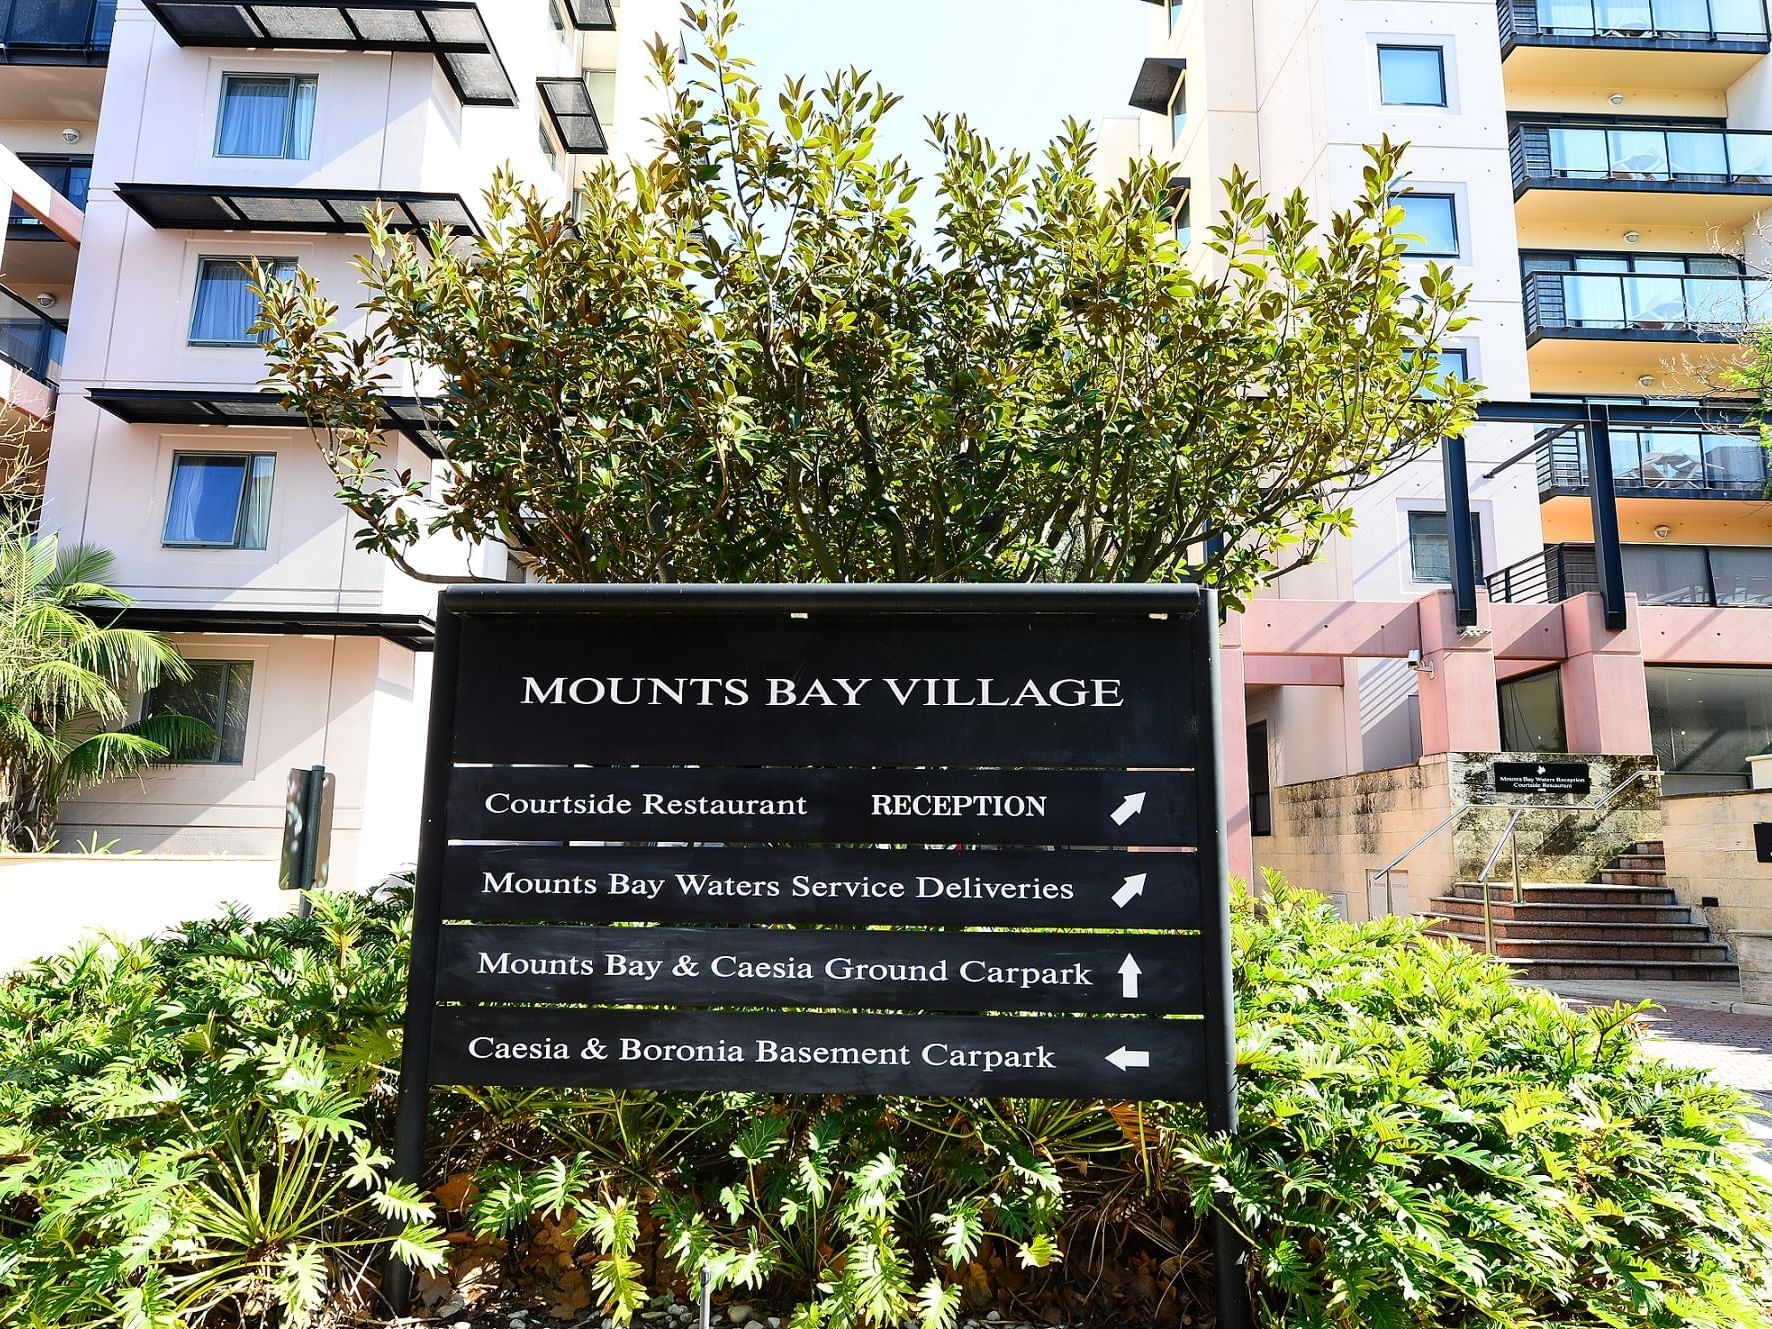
<point>254,117</point>
<point>205,503</point>
<point>226,308</point>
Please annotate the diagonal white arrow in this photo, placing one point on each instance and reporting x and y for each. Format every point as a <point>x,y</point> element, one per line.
<point>1126,1059</point>
<point>1132,887</point>
<point>1130,807</point>
<point>1129,972</point>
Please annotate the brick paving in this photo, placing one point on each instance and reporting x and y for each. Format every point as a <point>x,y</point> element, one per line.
<point>1735,1047</point>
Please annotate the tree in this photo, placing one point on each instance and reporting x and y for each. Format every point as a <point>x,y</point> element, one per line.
<point>62,675</point>
<point>742,361</point>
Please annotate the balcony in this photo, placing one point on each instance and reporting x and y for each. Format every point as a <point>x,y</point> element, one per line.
<point>1687,175</point>
<point>56,32</point>
<point>452,32</point>
<point>1642,43</point>
<point>68,176</point>
<point>30,341</point>
<point>1656,464</point>
<point>1641,306</point>
<point>1707,576</point>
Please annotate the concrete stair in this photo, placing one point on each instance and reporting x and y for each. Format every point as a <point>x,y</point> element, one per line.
<point>1624,924</point>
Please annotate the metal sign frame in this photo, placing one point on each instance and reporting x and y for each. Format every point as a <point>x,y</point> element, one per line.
<point>474,745</point>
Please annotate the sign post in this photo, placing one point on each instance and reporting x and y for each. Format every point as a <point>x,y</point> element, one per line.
<point>664,828</point>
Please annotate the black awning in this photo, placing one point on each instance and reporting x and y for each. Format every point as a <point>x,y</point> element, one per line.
<point>451,30</point>
<point>330,211</point>
<point>568,103</point>
<point>592,15</point>
<point>416,632</point>
<point>1158,78</point>
<point>206,406</point>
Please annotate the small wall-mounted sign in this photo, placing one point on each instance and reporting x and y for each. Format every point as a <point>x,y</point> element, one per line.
<point>1763,841</point>
<point>1543,777</point>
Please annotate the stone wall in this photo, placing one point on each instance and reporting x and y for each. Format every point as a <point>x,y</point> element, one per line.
<point>1710,853</point>
<point>1333,835</point>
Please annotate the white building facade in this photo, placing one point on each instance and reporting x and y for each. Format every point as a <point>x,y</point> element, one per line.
<point>232,131</point>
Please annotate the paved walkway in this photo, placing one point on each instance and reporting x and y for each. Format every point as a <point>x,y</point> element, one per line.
<point>1700,1024</point>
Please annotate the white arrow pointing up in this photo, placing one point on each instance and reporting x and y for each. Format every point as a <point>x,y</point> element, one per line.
<point>1134,886</point>
<point>1130,807</point>
<point>1126,1059</point>
<point>1129,972</point>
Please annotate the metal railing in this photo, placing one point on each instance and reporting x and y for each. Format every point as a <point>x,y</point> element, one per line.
<point>1642,302</point>
<point>1657,461</point>
<point>1550,576</point>
<point>56,31</point>
<point>1517,810</point>
<point>1633,20</point>
<point>1666,154</point>
<point>30,340</point>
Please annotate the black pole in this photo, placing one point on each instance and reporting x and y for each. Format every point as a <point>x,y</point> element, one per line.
<point>313,806</point>
<point>1458,530</point>
<point>421,984</point>
<point>1603,495</point>
<point>1220,998</point>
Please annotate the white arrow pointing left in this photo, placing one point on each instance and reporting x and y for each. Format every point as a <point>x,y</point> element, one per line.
<point>1129,972</point>
<point>1126,1059</point>
<point>1130,807</point>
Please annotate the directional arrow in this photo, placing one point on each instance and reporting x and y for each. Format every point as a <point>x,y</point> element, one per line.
<point>1134,886</point>
<point>1126,1059</point>
<point>1130,807</point>
<point>1129,972</point>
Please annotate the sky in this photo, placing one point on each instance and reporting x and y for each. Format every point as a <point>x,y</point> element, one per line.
<point>1016,68</point>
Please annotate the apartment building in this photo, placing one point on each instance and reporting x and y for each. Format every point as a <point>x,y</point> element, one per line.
<point>1599,172</point>
<point>191,135</point>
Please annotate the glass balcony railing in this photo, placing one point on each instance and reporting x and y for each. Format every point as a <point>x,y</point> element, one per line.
<point>68,176</point>
<point>1720,576</point>
<point>30,340</point>
<point>1597,303</point>
<point>56,31</point>
<point>1733,21</point>
<point>1659,462</point>
<point>1641,153</point>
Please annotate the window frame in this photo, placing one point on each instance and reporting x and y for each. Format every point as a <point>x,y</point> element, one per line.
<point>247,460</point>
<point>293,82</point>
<point>1439,52</point>
<point>1259,753</point>
<point>204,263</point>
<point>1451,201</point>
<point>227,666</point>
<point>1409,539</point>
<point>1173,10</point>
<point>1178,115</point>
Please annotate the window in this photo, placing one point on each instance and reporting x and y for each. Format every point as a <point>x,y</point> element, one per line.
<point>549,153</point>
<point>1453,362</point>
<point>1430,548</point>
<point>1532,713</point>
<point>219,500</point>
<point>1178,111</point>
<point>1431,222</point>
<point>1706,722</point>
<point>266,115</point>
<point>1261,798</point>
<point>225,309</point>
<point>556,19</point>
<point>1184,223</point>
<point>218,693</point>
<point>1411,75</point>
<point>1174,7</point>
<point>68,176</point>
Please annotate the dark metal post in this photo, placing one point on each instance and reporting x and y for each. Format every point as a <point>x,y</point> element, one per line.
<point>1458,531</point>
<point>1220,997</point>
<point>1603,489</point>
<point>313,807</point>
<point>421,985</point>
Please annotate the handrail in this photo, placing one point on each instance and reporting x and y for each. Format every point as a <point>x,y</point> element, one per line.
<point>1516,809</point>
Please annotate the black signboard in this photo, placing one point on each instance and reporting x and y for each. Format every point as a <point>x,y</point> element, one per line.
<point>929,840</point>
<point>1051,888</point>
<point>1543,777</point>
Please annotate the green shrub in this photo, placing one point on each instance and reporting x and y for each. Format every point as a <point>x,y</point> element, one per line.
<point>194,1132</point>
